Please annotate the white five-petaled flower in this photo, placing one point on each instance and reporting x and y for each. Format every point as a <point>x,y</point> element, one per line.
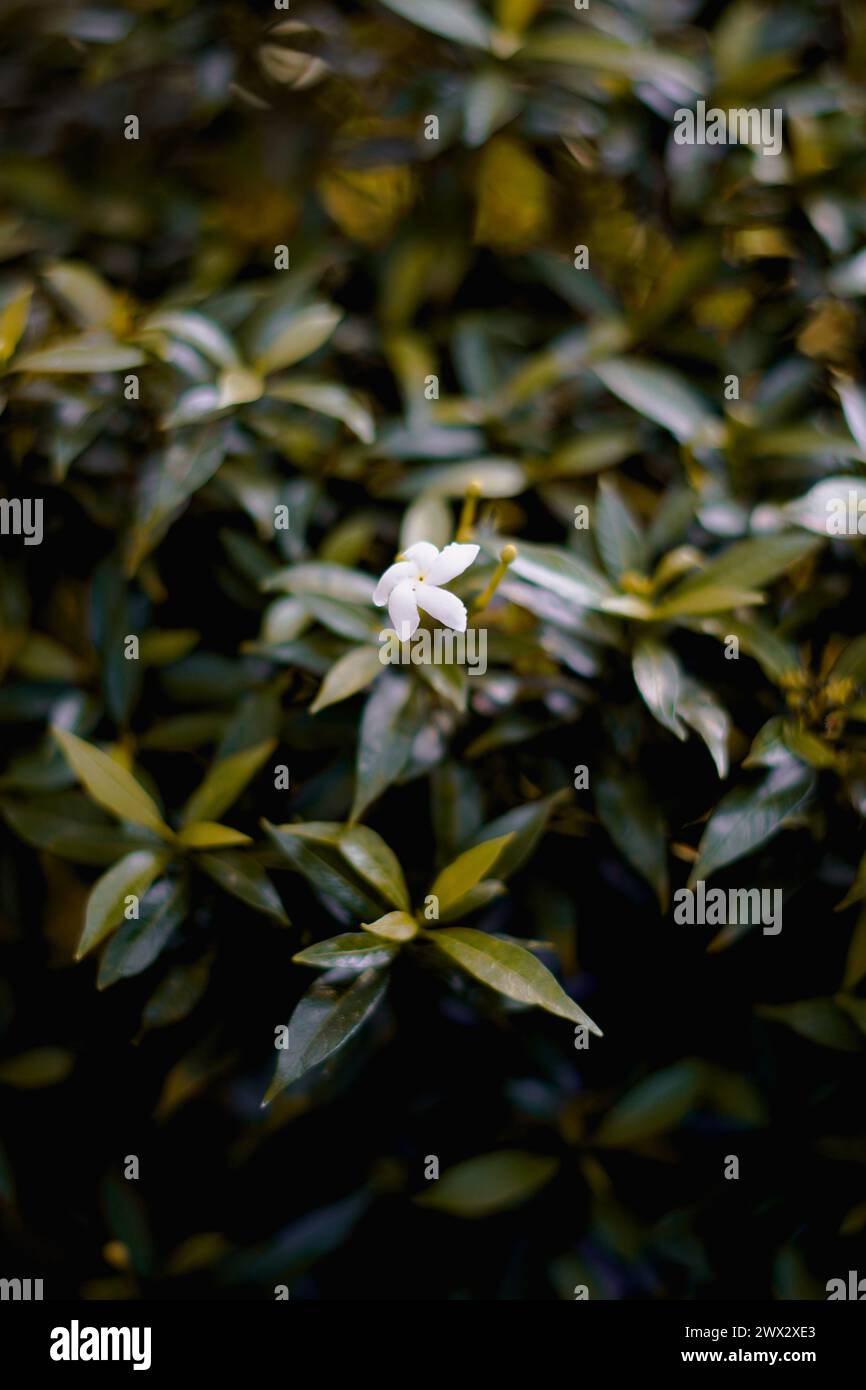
<point>414,582</point>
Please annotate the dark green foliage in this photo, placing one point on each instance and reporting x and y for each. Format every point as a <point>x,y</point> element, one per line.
<point>249,358</point>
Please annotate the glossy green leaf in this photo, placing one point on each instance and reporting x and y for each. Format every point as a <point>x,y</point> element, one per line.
<point>392,718</point>
<point>750,815</point>
<point>106,905</point>
<point>469,868</point>
<point>618,534</point>
<point>224,783</point>
<point>246,879</point>
<point>91,352</point>
<point>460,20</point>
<point>353,672</point>
<point>324,867</point>
<point>510,970</point>
<point>329,1014</point>
<point>328,399</point>
<point>137,943</point>
<point>301,334</point>
<point>376,862</point>
<point>111,785</point>
<point>394,926</point>
<point>351,951</point>
<point>658,676</point>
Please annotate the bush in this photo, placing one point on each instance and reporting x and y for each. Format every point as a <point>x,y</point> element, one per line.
<point>382,940</point>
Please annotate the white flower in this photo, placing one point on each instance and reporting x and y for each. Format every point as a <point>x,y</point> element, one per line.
<point>414,582</point>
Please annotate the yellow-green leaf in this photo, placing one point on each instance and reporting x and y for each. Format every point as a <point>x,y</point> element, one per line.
<point>394,926</point>
<point>207,834</point>
<point>133,874</point>
<point>225,782</point>
<point>110,785</point>
<point>454,882</point>
<point>509,969</point>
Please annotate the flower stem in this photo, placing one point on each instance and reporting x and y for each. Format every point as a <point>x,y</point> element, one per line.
<point>467,515</point>
<point>509,554</point>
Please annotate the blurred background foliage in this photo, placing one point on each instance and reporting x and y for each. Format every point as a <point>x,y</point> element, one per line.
<point>240,311</point>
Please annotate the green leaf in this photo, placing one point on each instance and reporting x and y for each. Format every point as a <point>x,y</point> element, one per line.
<point>394,926</point>
<point>510,970</point>
<point>167,483</point>
<point>208,834</point>
<point>392,718</point>
<point>699,602</point>
<point>635,822</point>
<point>489,1183</point>
<point>469,868</point>
<point>14,313</point>
<point>200,332</point>
<point>246,879</point>
<point>562,572</point>
<point>579,47</point>
<point>618,534</point>
<point>659,394</point>
<point>658,676</point>
<point>298,336</point>
<point>239,386</point>
<point>110,785</point>
<point>329,1014</point>
<point>176,996</point>
<point>92,352</point>
<point>652,1107</point>
<point>750,564</point>
<point>377,864</point>
<point>851,662</point>
<point>483,893</point>
<point>224,783</point>
<point>819,1020</point>
<point>351,951</point>
<point>80,289</point>
<point>137,944</point>
<point>748,817</point>
<point>459,20</point>
<point>105,907</point>
<point>41,1066</point>
<point>853,399</point>
<point>328,399</point>
<point>523,827</point>
<point>325,581</point>
<point>353,672</point>
<point>324,867</point>
<point>701,710</point>
<point>70,836</point>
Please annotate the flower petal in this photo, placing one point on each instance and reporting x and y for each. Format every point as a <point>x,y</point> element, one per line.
<point>424,554</point>
<point>442,605</point>
<point>403,610</point>
<point>404,569</point>
<point>453,560</point>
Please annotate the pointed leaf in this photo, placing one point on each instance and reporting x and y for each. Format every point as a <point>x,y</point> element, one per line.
<point>351,951</point>
<point>353,672</point>
<point>377,863</point>
<point>509,969</point>
<point>110,785</point>
<point>749,816</point>
<point>246,879</point>
<point>329,1014</point>
<point>224,783</point>
<point>469,868</point>
<point>107,902</point>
